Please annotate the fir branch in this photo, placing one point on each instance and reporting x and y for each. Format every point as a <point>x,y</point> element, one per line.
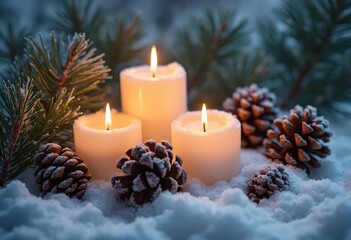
<point>315,33</point>
<point>18,106</point>
<point>207,44</point>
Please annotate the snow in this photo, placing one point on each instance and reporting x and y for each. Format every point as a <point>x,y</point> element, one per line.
<point>314,208</point>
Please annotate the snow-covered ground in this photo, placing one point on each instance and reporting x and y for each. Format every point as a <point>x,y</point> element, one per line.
<point>314,208</point>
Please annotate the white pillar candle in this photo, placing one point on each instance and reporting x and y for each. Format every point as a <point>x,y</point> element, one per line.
<point>211,151</point>
<point>100,140</point>
<point>156,95</point>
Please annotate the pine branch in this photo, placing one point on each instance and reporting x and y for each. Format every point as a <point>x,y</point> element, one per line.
<point>82,69</point>
<point>119,39</point>
<point>315,33</point>
<point>207,44</point>
<point>19,104</point>
<point>67,78</point>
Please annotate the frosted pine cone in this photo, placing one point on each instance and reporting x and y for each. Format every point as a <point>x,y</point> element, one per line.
<point>60,170</point>
<point>148,170</point>
<point>255,110</point>
<point>298,139</point>
<point>266,182</point>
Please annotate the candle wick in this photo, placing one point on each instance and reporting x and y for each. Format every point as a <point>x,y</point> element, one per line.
<point>108,128</point>
<point>153,74</point>
<point>204,126</point>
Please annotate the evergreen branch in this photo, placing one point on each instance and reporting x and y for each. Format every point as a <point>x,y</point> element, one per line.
<point>315,33</point>
<point>120,40</point>
<point>43,109</point>
<point>18,106</point>
<point>82,69</point>
<point>207,44</point>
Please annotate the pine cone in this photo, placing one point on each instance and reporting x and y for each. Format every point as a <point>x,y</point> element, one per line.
<point>266,182</point>
<point>60,170</point>
<point>298,139</point>
<point>148,171</point>
<point>255,110</point>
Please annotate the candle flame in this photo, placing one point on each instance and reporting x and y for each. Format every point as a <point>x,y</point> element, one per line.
<point>108,120</point>
<point>204,120</point>
<point>153,61</point>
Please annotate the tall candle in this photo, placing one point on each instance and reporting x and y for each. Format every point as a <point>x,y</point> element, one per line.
<point>156,95</point>
<point>210,149</point>
<point>100,139</point>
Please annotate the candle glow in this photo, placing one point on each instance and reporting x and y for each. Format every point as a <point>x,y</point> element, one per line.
<point>100,144</point>
<point>204,120</point>
<point>153,61</point>
<point>215,144</point>
<point>108,120</point>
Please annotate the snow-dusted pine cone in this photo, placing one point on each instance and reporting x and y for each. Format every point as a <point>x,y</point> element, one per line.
<point>298,139</point>
<point>148,170</point>
<point>60,170</point>
<point>267,181</point>
<point>255,110</point>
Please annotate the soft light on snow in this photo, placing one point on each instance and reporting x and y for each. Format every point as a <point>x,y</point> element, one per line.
<point>313,208</point>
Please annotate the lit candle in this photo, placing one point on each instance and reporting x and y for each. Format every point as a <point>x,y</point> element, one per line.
<point>156,95</point>
<point>209,143</point>
<point>102,137</point>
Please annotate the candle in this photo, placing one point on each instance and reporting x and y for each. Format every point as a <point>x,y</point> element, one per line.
<point>156,95</point>
<point>209,144</point>
<point>101,138</point>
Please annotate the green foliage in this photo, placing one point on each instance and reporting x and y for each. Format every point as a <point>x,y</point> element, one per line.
<point>308,46</point>
<point>305,58</point>
<point>67,64</point>
<point>205,46</point>
<point>19,133</point>
<point>119,38</point>
<point>67,77</point>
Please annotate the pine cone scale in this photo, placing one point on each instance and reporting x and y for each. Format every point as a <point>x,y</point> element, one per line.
<point>60,170</point>
<point>266,182</point>
<point>302,136</point>
<point>255,110</point>
<point>148,171</point>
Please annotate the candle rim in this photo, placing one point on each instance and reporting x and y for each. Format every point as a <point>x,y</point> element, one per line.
<point>134,123</point>
<point>230,122</point>
<point>130,72</point>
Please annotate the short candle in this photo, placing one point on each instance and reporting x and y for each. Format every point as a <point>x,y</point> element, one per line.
<point>102,137</point>
<point>156,95</point>
<point>210,150</point>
